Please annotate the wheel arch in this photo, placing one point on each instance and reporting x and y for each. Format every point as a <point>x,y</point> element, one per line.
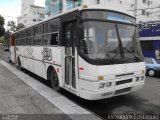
<point>151,69</point>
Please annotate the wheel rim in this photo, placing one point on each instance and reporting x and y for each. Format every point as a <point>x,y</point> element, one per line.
<point>151,72</point>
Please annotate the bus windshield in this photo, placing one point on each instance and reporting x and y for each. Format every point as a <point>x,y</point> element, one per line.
<point>113,43</point>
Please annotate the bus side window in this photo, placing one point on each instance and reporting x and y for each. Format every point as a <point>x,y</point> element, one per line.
<point>54,39</point>
<point>54,30</point>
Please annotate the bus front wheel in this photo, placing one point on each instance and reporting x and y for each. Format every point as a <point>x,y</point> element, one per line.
<point>55,81</point>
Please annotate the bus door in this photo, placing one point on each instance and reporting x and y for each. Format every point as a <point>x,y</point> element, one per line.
<point>70,38</point>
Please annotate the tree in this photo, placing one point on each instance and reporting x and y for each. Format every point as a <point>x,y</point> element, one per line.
<point>20,26</point>
<point>7,37</point>
<point>1,20</point>
<point>13,27</point>
<point>2,30</point>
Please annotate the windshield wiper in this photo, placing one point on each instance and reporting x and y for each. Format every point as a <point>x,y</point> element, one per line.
<point>129,51</point>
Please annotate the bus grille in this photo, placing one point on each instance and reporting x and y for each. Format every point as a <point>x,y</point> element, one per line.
<point>123,81</point>
<point>124,75</point>
<point>122,91</point>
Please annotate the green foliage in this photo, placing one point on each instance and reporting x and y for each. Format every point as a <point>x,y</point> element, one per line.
<point>13,27</point>
<point>2,31</point>
<point>1,20</point>
<point>5,39</point>
<point>20,26</point>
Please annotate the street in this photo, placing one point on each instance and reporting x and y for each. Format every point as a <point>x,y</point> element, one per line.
<point>146,101</point>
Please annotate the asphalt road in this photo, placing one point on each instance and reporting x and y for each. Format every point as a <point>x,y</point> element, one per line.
<point>146,101</point>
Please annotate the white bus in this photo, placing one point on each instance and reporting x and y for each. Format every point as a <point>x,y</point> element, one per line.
<point>93,53</point>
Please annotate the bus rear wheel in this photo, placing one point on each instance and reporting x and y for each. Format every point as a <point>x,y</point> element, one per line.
<point>55,81</point>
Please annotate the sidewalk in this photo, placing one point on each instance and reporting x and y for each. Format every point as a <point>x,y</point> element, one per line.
<point>16,97</point>
<point>21,94</point>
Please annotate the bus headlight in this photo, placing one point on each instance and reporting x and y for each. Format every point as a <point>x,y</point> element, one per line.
<point>101,85</point>
<point>139,78</point>
<point>108,84</point>
<point>105,85</point>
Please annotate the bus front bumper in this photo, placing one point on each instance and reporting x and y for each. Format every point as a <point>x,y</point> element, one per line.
<point>110,92</point>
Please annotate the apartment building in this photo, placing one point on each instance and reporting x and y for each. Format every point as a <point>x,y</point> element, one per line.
<point>53,7</point>
<point>148,10</point>
<point>144,10</point>
<point>30,13</point>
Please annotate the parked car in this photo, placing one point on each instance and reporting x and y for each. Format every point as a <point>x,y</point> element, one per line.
<point>152,66</point>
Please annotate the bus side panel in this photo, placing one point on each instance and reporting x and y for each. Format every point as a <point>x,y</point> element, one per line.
<point>44,57</point>
<point>39,64</point>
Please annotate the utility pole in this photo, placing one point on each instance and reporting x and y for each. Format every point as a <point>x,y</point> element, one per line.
<point>135,7</point>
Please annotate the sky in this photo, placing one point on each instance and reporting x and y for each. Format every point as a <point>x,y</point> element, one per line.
<point>11,9</point>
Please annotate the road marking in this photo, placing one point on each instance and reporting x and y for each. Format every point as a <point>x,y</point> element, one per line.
<point>68,107</point>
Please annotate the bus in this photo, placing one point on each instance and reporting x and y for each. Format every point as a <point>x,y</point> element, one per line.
<point>93,53</point>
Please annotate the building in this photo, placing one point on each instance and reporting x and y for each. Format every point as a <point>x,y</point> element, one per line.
<point>149,35</point>
<point>144,10</point>
<point>147,10</point>
<point>53,7</point>
<point>30,13</point>
<point>26,4</point>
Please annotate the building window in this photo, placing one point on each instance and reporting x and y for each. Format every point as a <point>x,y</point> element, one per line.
<point>34,13</point>
<point>34,20</point>
<point>148,14</point>
<point>150,2</point>
<point>144,1</point>
<point>143,12</point>
<point>132,5</point>
<point>98,1</point>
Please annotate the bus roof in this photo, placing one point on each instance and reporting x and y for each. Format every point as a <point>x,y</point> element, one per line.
<point>74,10</point>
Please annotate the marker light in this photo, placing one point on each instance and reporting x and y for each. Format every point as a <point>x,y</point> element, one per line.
<point>143,72</point>
<point>81,68</point>
<point>100,77</point>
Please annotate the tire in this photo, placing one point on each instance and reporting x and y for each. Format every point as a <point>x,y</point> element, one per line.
<point>151,72</point>
<point>19,64</point>
<point>55,81</point>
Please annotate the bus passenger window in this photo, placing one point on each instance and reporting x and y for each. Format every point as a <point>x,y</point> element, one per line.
<point>54,39</point>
